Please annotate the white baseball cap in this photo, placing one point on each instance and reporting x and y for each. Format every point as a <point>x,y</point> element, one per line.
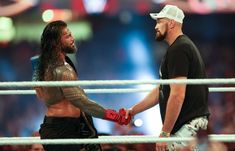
<point>171,12</point>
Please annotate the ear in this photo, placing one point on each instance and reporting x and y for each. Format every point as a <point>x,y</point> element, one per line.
<point>172,24</point>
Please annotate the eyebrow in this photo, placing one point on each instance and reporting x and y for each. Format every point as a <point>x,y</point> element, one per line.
<point>66,33</point>
<point>159,19</point>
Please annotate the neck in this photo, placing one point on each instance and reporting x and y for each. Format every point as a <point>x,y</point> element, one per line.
<point>172,35</point>
<point>62,57</point>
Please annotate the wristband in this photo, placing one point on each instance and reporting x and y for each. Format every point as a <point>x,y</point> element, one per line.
<point>165,134</point>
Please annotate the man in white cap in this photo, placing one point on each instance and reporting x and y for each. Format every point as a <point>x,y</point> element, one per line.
<point>184,108</point>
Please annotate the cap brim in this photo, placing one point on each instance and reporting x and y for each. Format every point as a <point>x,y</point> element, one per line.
<point>154,16</point>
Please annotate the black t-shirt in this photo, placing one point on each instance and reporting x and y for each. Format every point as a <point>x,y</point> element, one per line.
<point>183,59</point>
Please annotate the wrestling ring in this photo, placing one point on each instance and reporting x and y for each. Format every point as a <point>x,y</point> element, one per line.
<point>112,139</point>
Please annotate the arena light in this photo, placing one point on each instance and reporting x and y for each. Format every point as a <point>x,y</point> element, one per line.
<point>94,6</point>
<point>138,123</point>
<point>47,15</point>
<point>7,29</point>
<point>159,1</point>
<point>5,23</point>
<point>56,14</point>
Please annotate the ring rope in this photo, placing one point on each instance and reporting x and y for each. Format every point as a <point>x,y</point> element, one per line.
<point>117,82</point>
<point>110,140</point>
<point>127,90</point>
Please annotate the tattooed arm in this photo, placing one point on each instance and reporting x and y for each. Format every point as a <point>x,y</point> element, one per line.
<point>78,98</point>
<point>75,94</point>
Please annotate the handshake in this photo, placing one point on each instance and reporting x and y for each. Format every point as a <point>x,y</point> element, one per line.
<point>119,117</point>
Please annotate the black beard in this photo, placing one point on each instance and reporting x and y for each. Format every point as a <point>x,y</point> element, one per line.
<point>160,37</point>
<point>68,49</point>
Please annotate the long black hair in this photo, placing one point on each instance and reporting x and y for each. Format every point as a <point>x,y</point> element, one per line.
<point>50,48</point>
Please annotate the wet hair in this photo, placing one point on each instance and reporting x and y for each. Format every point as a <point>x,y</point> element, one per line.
<point>50,47</point>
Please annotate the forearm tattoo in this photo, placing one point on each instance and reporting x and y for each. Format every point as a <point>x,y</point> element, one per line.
<point>78,97</point>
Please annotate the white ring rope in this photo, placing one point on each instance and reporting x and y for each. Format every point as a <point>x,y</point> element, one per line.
<point>116,82</point>
<point>109,140</point>
<point>112,90</point>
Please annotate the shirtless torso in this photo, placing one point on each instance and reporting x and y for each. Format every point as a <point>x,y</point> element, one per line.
<point>69,101</point>
<point>66,101</point>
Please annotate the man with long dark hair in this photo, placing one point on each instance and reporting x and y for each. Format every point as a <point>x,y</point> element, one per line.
<point>69,110</point>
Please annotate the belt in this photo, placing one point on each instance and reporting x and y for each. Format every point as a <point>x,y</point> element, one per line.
<point>52,119</point>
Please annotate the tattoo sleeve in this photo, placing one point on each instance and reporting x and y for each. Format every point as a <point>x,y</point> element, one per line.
<point>77,96</point>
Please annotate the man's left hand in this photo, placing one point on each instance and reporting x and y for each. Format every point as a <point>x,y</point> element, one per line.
<point>162,146</point>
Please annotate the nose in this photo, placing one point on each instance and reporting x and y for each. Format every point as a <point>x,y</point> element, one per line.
<point>155,27</point>
<point>72,39</point>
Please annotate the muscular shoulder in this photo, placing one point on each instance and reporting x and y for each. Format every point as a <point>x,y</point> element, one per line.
<point>64,72</point>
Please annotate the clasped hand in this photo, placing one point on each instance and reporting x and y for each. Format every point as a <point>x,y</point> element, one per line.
<point>124,119</point>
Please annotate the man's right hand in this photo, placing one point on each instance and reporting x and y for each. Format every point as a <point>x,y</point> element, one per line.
<point>129,112</point>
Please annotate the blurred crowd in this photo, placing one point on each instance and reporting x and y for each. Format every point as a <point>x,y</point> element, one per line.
<point>221,64</point>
